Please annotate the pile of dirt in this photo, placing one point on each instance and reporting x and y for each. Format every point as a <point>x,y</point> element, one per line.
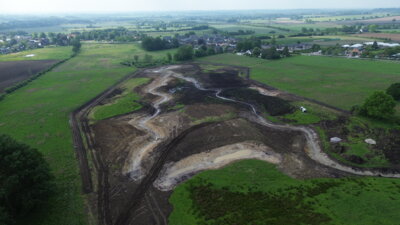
<point>273,105</point>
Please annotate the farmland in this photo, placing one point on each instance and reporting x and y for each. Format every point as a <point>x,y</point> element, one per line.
<point>13,72</point>
<point>38,115</point>
<point>337,81</point>
<point>358,201</point>
<point>391,36</point>
<point>48,53</point>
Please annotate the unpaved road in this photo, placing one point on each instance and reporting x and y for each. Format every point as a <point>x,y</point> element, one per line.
<point>156,135</point>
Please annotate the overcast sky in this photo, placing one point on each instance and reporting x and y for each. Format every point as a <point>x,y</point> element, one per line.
<point>13,6</point>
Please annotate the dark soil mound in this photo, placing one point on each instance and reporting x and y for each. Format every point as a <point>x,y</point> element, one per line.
<point>273,105</point>
<point>223,78</point>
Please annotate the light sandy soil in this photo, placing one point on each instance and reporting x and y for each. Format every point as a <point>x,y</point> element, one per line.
<point>266,92</point>
<point>174,173</point>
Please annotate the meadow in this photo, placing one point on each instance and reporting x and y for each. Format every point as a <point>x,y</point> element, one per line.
<point>266,192</point>
<point>38,115</point>
<point>340,82</point>
<point>236,27</point>
<point>47,53</point>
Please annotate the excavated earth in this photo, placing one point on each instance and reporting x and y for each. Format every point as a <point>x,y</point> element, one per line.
<point>204,132</point>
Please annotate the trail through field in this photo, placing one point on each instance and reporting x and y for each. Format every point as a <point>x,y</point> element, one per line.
<point>145,123</point>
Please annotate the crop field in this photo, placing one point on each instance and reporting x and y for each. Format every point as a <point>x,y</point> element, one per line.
<point>236,27</point>
<point>48,53</point>
<point>392,36</point>
<point>38,115</point>
<point>261,189</point>
<point>13,72</point>
<point>340,82</point>
<point>345,17</point>
<point>325,40</point>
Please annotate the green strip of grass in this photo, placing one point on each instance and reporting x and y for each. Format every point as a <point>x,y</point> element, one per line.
<point>47,53</point>
<point>356,201</point>
<point>124,103</point>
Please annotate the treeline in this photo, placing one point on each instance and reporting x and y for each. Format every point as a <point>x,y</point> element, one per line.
<point>25,180</point>
<point>248,44</point>
<point>120,34</point>
<point>155,44</point>
<point>241,32</point>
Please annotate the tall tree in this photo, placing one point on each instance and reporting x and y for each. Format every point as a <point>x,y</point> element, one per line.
<point>25,179</point>
<point>379,105</point>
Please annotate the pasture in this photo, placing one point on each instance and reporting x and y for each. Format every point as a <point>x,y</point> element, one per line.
<point>236,27</point>
<point>38,115</point>
<point>47,53</point>
<point>258,187</point>
<point>340,82</point>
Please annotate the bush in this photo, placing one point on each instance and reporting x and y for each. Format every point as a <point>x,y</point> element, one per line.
<point>379,105</point>
<point>394,91</point>
<point>25,179</point>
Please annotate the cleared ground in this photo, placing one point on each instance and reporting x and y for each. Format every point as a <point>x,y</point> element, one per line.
<point>13,72</point>
<point>339,82</point>
<point>147,153</point>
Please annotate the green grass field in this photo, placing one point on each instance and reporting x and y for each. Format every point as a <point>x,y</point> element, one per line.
<point>121,104</point>
<point>38,115</point>
<point>48,53</point>
<point>254,192</point>
<point>339,82</point>
<point>236,27</point>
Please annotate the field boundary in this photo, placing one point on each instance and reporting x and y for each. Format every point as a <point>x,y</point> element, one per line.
<point>21,84</point>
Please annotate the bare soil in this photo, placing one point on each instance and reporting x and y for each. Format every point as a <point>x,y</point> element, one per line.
<point>122,200</point>
<point>16,71</point>
<point>177,147</point>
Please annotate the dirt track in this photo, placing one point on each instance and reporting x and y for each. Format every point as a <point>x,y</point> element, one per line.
<point>171,148</point>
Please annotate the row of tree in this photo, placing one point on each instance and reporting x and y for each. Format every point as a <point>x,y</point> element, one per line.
<point>155,44</point>
<point>120,34</point>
